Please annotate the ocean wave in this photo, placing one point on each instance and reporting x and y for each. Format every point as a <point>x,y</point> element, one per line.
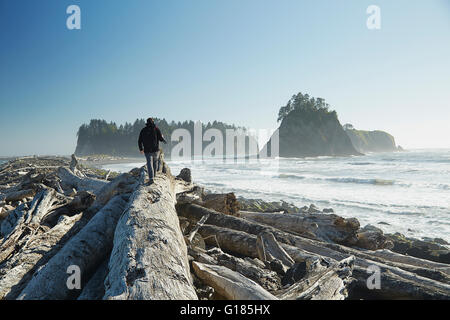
<point>390,159</point>
<point>388,209</point>
<point>371,181</point>
<point>214,184</point>
<point>376,205</point>
<point>441,186</point>
<point>378,182</point>
<point>290,176</point>
<point>360,163</point>
<point>435,160</point>
<point>444,186</point>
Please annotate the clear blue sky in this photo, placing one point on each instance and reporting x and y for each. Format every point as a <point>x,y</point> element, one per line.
<point>236,61</point>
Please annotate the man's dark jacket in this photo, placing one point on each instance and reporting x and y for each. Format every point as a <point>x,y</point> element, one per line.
<point>149,139</point>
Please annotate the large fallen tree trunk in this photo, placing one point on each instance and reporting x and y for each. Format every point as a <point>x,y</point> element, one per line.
<point>94,289</point>
<point>70,180</point>
<point>195,212</point>
<point>240,243</point>
<point>393,287</point>
<point>19,195</point>
<point>230,284</point>
<point>86,250</point>
<point>267,279</point>
<point>236,242</point>
<point>325,227</point>
<point>222,202</point>
<point>149,257</point>
<point>410,260</point>
<point>124,183</point>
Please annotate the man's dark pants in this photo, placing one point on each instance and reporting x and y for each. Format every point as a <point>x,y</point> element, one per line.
<point>152,163</point>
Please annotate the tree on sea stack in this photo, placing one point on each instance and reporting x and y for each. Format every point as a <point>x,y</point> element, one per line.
<point>309,129</point>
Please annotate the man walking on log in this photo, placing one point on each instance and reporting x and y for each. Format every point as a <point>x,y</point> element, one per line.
<point>149,139</point>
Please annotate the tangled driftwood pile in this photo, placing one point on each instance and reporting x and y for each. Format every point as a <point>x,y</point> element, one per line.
<point>171,240</point>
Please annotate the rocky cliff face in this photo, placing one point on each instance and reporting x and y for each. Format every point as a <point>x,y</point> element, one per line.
<point>312,133</point>
<point>371,141</point>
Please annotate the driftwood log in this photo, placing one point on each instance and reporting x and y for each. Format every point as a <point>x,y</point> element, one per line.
<point>241,239</point>
<point>94,289</point>
<point>254,270</point>
<point>149,257</point>
<point>69,180</point>
<point>222,202</point>
<point>329,282</point>
<point>85,250</point>
<point>269,249</point>
<point>325,227</point>
<point>21,226</point>
<point>231,284</point>
<point>17,271</point>
<point>18,195</point>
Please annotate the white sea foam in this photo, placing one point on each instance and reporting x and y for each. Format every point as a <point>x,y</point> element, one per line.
<point>408,190</point>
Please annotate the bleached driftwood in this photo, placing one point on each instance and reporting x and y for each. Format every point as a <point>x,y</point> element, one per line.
<point>19,195</point>
<point>242,240</point>
<point>194,195</point>
<point>85,250</point>
<point>70,180</point>
<point>149,257</point>
<point>233,241</point>
<point>268,249</point>
<point>17,271</point>
<point>124,183</point>
<point>267,279</point>
<point>402,283</point>
<point>23,224</point>
<point>95,289</point>
<point>322,282</point>
<point>230,284</point>
<point>326,227</point>
<point>74,167</point>
<point>82,201</point>
<point>200,223</point>
<point>410,260</point>
<point>395,286</point>
<point>222,202</point>
<point>194,212</point>
<point>202,256</point>
<point>243,244</point>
